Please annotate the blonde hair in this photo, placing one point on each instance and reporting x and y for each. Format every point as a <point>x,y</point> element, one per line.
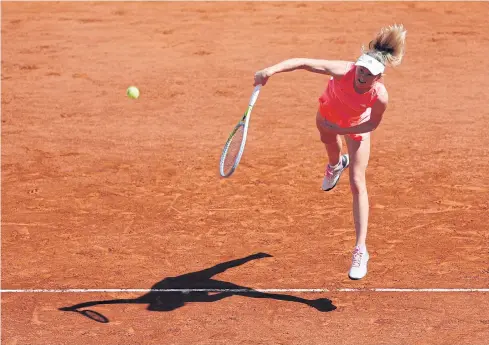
<point>388,46</point>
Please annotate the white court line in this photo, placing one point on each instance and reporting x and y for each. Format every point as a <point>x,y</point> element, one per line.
<point>242,290</point>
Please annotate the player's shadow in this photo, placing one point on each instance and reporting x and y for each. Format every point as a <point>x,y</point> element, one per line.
<point>171,300</point>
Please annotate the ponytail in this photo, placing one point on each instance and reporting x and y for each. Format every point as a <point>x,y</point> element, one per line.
<point>388,46</point>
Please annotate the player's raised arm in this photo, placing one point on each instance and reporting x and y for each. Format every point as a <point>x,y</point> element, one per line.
<point>334,68</point>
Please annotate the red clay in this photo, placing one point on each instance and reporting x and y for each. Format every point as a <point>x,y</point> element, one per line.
<point>101,191</point>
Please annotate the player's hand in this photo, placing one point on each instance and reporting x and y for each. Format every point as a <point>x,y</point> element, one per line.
<point>261,77</point>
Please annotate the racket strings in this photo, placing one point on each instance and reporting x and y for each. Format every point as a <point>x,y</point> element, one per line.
<point>233,149</point>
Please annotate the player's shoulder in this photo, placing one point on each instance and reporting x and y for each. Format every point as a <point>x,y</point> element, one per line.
<point>347,67</point>
<point>381,93</point>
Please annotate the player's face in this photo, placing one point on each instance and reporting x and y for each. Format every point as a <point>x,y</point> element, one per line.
<point>363,78</point>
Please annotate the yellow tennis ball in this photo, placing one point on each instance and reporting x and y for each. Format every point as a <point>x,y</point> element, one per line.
<point>132,92</point>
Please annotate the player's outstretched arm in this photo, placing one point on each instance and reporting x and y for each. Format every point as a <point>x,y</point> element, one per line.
<point>334,68</point>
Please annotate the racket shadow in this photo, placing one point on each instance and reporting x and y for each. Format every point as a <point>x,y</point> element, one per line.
<point>163,301</point>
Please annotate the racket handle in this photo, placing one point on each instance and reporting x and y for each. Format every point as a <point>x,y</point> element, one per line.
<point>254,95</point>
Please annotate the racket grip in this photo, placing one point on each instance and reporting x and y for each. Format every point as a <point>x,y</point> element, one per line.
<point>254,95</point>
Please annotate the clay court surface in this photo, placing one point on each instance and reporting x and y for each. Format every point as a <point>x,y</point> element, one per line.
<point>103,192</point>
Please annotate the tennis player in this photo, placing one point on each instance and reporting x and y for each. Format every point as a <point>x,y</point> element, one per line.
<point>352,106</point>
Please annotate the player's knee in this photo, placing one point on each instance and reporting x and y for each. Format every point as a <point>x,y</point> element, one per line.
<point>358,184</point>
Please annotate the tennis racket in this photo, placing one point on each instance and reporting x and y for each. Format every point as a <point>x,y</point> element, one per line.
<point>234,147</point>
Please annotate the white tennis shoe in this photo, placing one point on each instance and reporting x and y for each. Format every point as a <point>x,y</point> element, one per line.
<point>360,259</point>
<point>332,175</point>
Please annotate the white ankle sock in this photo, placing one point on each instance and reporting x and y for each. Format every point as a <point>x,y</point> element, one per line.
<point>363,248</point>
<point>337,166</point>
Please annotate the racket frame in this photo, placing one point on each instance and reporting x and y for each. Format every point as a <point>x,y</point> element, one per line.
<point>245,120</point>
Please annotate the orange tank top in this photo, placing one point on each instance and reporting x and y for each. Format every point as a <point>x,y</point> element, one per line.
<point>341,104</point>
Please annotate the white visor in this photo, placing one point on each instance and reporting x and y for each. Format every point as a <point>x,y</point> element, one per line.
<point>374,66</point>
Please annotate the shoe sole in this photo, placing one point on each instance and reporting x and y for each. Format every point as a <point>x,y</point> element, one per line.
<point>338,180</point>
<point>356,278</point>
